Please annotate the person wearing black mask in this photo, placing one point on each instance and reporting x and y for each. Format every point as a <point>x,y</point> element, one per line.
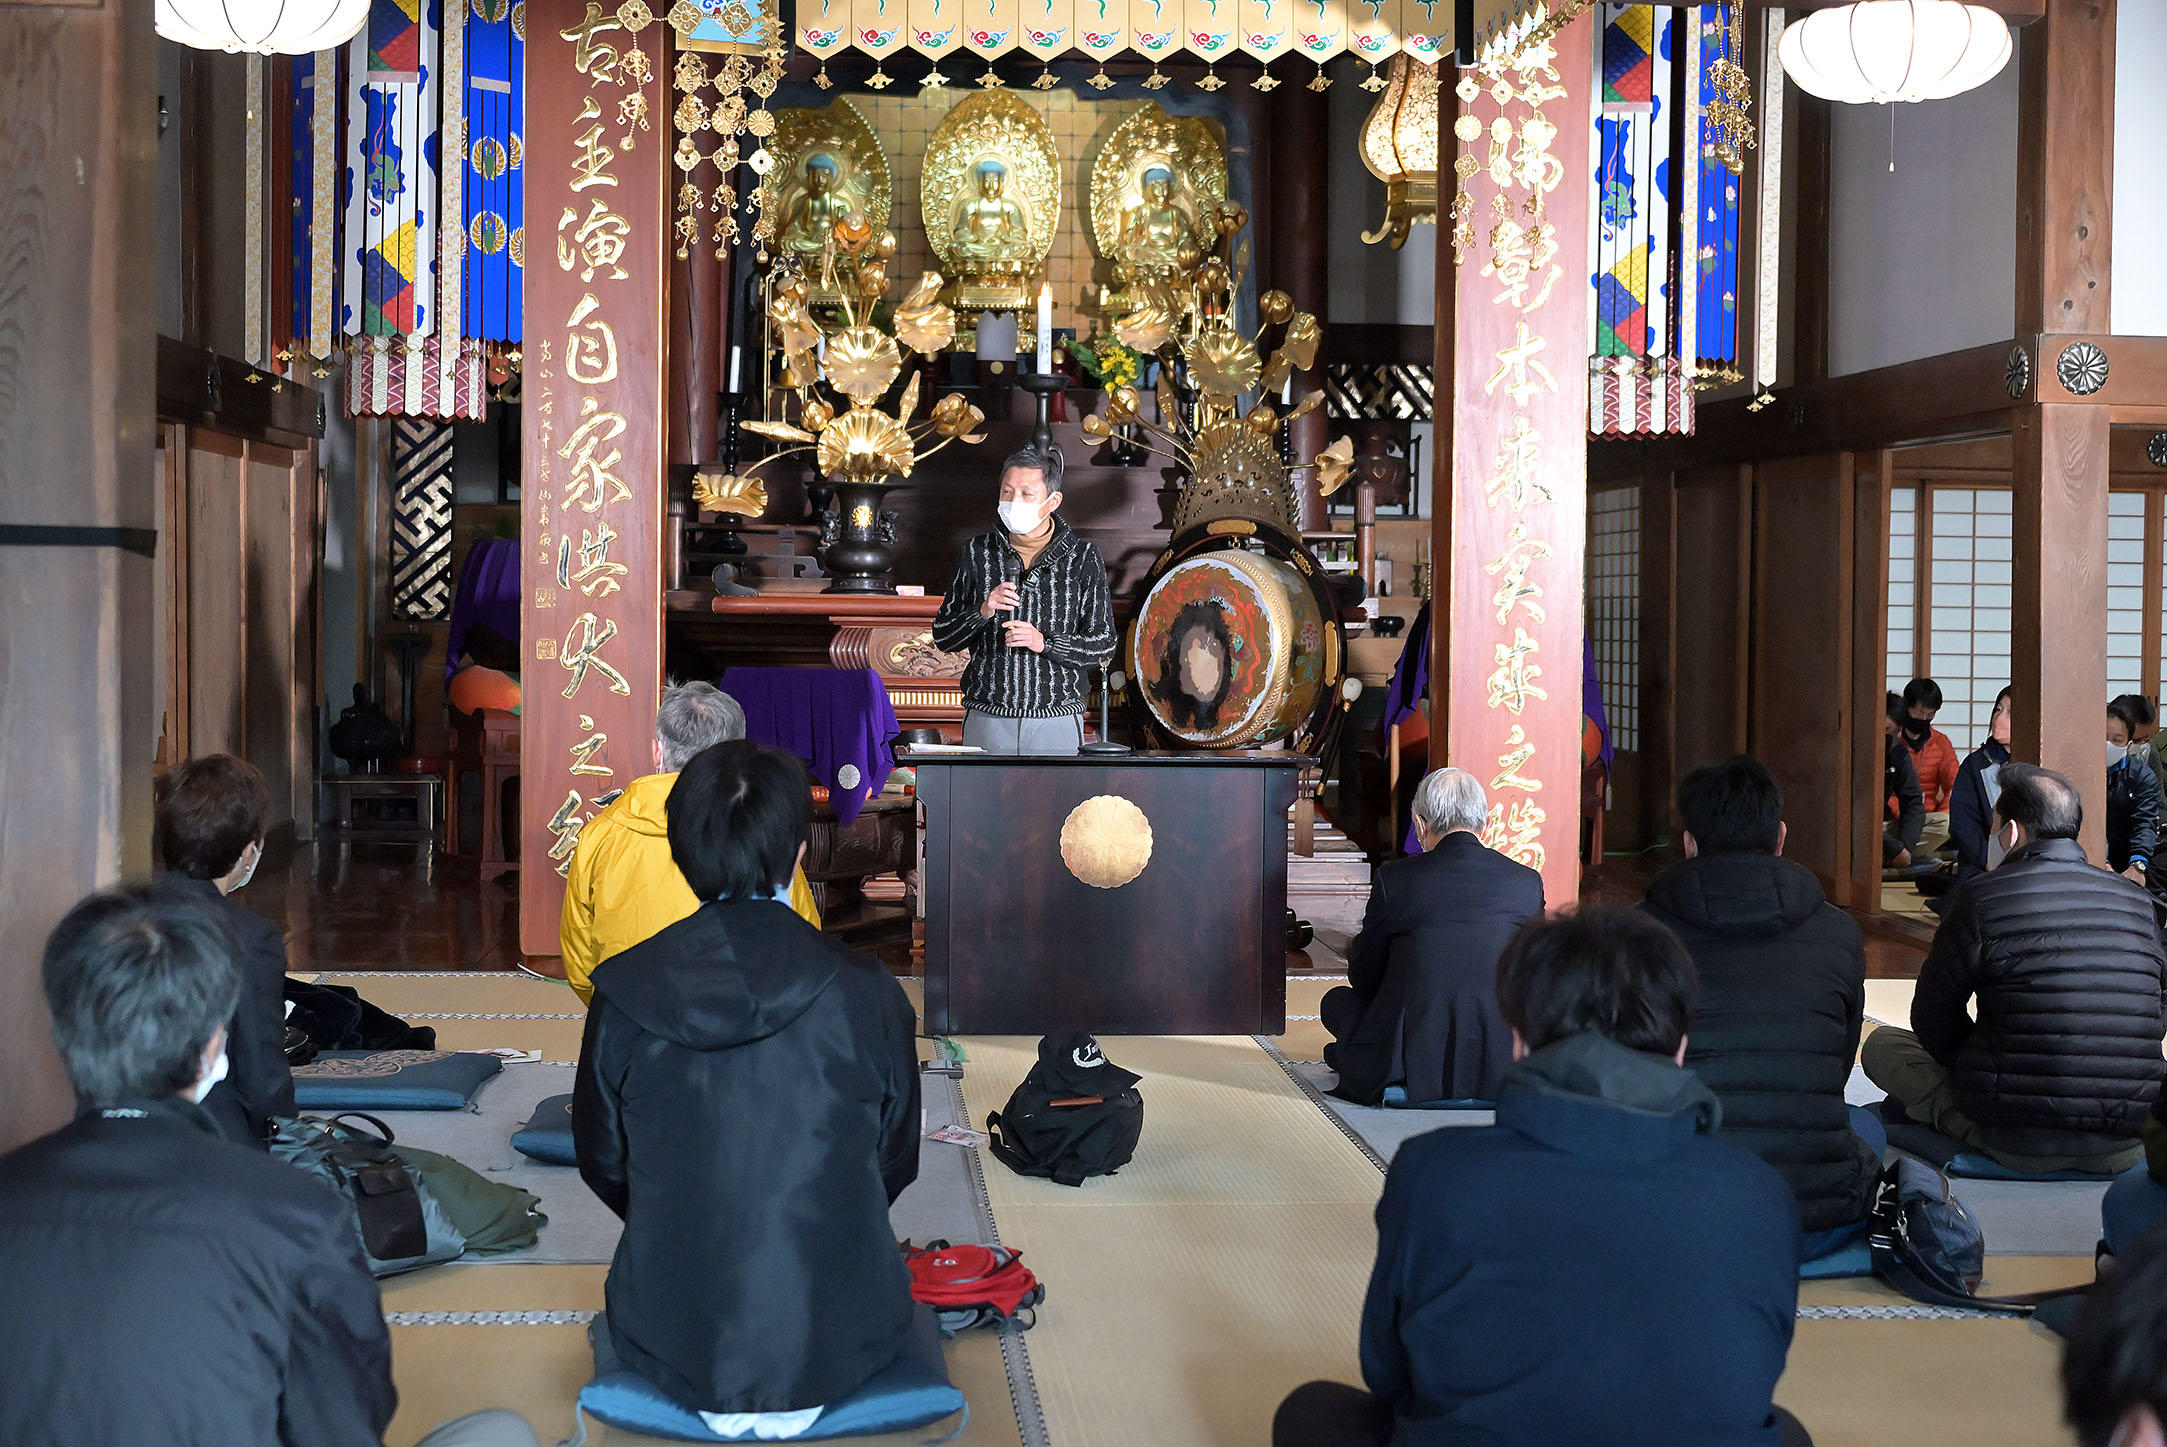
<point>1978,785</point>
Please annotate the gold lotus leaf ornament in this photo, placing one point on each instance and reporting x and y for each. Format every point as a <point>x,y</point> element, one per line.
<point>1306,406</point>
<point>817,414</point>
<point>1262,419</point>
<point>725,492</point>
<point>794,328</point>
<point>1277,370</point>
<point>1223,363</point>
<point>864,445</point>
<point>1333,466</point>
<point>1122,404</point>
<point>924,322</point>
<point>1146,329</point>
<point>780,431</point>
<point>862,363</point>
<point>1275,307</point>
<point>908,404</point>
<point>954,417</point>
<point>1300,342</point>
<point>1096,427</point>
<point>873,277</point>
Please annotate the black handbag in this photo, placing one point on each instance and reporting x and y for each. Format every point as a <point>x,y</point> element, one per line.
<point>1926,1245</point>
<point>1076,1115</point>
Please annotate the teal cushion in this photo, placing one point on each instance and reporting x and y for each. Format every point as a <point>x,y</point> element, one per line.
<point>547,1135</point>
<point>911,1391</point>
<point>1395,1098</point>
<point>392,1079</point>
<point>1857,1259</point>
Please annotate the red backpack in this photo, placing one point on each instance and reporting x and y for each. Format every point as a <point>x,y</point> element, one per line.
<point>971,1286</point>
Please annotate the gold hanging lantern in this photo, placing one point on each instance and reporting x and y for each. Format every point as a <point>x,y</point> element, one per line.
<point>1400,147</point>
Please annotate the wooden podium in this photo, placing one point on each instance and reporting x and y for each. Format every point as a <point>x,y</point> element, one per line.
<point>1193,944</point>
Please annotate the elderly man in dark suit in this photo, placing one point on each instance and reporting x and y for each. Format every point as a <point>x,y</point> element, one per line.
<point>1419,1009</point>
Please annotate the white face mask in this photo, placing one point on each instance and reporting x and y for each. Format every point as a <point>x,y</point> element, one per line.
<point>1020,517</point>
<point>254,855</point>
<point>1997,849</point>
<point>211,1077</point>
<point>2116,753</point>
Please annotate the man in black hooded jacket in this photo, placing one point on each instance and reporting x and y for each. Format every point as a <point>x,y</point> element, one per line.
<point>1782,996</point>
<point>747,1100</point>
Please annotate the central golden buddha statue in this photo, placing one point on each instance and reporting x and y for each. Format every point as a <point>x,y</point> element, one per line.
<point>1155,234</point>
<point>990,191</point>
<point>989,226</point>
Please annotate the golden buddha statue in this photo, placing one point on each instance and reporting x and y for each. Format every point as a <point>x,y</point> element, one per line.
<point>990,192</point>
<point>990,227</point>
<point>833,170</point>
<point>1157,181</point>
<point>1155,233</point>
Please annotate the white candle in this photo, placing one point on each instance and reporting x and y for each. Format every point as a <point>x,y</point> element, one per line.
<point>1045,329</point>
<point>733,371</point>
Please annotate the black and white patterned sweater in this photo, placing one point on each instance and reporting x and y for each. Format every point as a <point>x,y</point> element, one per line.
<point>1064,594</point>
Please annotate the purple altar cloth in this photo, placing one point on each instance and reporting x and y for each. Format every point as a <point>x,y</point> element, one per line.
<point>488,595</point>
<point>835,719</point>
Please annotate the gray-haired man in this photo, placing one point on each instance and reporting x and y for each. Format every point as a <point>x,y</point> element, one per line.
<point>1419,1008</point>
<point>1029,602</point>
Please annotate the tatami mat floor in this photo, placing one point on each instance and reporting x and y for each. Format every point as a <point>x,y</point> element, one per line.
<point>1225,1265</point>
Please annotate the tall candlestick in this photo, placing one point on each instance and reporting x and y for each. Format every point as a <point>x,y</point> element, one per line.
<point>734,351</point>
<point>1045,329</point>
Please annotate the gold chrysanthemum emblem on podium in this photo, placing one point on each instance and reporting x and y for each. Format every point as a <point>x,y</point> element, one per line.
<point>1106,841</point>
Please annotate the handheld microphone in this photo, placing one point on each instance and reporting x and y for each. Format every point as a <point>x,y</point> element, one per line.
<point>1011,572</point>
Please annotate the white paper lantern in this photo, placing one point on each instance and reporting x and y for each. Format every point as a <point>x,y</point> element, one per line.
<point>264,27</point>
<point>1879,51</point>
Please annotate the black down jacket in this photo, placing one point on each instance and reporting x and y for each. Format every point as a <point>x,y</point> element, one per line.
<point>1782,994</point>
<point>2066,963</point>
<point>747,1101</point>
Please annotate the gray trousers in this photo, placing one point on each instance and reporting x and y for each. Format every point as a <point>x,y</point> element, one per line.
<point>495,1427</point>
<point>996,735</point>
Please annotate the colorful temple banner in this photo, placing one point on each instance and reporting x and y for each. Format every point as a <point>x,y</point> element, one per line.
<point>592,448</point>
<point>1716,249</point>
<point>1267,28</point>
<point>1373,29</point>
<point>1320,28</point>
<point>1211,28</point>
<point>391,182</point>
<point>880,25</point>
<point>1102,27</point>
<point>730,27</point>
<point>492,262</point>
<point>1047,27</point>
<point>824,26</point>
<point>990,27</point>
<point>1426,29</point>
<point>936,27</point>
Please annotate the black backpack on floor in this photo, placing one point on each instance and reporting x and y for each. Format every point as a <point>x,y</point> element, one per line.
<point>1076,1115</point>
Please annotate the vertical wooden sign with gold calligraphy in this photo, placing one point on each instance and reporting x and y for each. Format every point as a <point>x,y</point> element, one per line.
<point>1513,345</point>
<point>593,445</point>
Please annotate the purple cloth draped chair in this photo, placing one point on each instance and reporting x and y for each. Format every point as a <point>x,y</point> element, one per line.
<point>838,720</point>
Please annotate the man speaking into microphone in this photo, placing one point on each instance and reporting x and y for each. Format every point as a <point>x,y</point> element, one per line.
<point>1029,602</point>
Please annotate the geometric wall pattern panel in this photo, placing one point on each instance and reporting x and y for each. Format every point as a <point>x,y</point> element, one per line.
<point>1356,390</point>
<point>421,456</point>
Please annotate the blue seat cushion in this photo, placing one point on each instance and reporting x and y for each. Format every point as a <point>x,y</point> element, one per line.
<point>1958,1160</point>
<point>547,1135</point>
<point>392,1079</point>
<point>1395,1098</point>
<point>1856,1259</point>
<point>911,1391</point>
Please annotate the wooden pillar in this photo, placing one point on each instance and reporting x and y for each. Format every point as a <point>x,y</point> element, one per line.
<point>2065,188</point>
<point>78,724</point>
<point>1509,526</point>
<point>1301,265</point>
<point>594,449</point>
<point>1658,650</point>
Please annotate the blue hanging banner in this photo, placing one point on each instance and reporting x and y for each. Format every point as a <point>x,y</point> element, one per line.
<point>495,116</point>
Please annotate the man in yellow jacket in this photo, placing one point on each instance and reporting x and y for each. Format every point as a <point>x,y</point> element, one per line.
<point>623,886</point>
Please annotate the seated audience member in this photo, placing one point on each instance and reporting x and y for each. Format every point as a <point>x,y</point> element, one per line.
<point>1599,1266</point>
<point>2065,965</point>
<point>209,824</point>
<point>1782,994</point>
<point>2132,798</point>
<point>1933,757</point>
<point>622,886</point>
<point>1904,818</point>
<point>1420,1005</point>
<point>2114,1367</point>
<point>747,1100</point>
<point>1978,785</point>
<point>2144,739</point>
<point>166,1286</point>
<point>2136,1202</point>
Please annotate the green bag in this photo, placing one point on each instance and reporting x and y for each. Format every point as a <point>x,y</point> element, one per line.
<point>492,1216</point>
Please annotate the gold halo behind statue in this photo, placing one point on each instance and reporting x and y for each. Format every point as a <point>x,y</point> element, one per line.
<point>990,195</point>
